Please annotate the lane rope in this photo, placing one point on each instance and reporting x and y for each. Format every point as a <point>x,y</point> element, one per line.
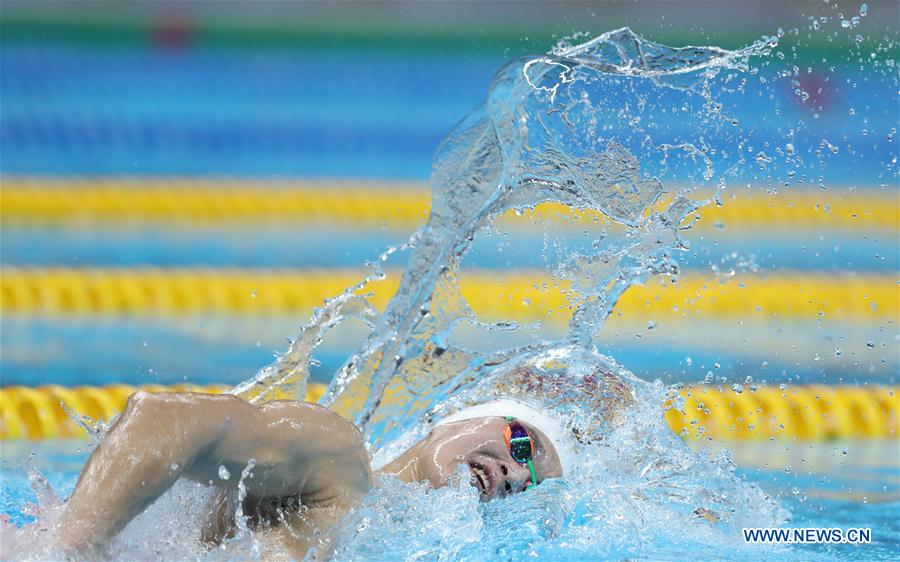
<point>517,295</point>
<point>38,413</point>
<point>403,205</point>
<point>811,413</point>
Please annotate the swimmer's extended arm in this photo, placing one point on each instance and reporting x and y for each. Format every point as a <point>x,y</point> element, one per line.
<point>298,449</point>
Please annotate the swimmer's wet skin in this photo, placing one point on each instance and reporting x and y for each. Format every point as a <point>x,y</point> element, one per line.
<point>480,444</point>
<point>309,467</point>
<point>300,450</point>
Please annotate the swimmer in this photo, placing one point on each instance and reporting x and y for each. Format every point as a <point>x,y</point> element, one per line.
<point>305,466</point>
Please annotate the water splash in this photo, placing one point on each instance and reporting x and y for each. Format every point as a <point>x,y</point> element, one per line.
<point>639,496</point>
<point>575,127</point>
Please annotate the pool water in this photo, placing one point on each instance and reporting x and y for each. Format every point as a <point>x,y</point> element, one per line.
<point>831,485</point>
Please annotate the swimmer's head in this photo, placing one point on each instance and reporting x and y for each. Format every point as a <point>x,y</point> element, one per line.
<point>507,446</point>
<point>583,387</point>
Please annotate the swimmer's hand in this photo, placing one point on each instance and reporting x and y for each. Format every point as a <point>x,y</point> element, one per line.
<point>298,449</point>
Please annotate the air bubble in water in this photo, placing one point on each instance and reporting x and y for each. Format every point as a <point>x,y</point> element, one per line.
<point>223,472</point>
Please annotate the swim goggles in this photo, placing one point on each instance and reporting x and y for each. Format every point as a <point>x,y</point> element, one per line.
<point>521,447</point>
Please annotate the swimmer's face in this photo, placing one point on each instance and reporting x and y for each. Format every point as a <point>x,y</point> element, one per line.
<point>478,443</point>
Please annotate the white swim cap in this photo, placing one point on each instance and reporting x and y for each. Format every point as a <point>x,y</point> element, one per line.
<point>527,413</point>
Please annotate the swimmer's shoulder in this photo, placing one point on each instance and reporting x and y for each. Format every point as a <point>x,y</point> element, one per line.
<point>320,436</point>
<point>313,418</point>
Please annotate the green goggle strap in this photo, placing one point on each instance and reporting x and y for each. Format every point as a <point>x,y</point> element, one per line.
<point>534,480</point>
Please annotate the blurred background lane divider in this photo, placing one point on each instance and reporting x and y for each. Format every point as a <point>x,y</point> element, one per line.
<point>808,413</point>
<point>369,203</point>
<point>43,412</point>
<point>811,413</point>
<point>516,295</point>
<point>399,204</point>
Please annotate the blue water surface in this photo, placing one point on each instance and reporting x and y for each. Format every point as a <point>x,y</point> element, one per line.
<point>828,485</point>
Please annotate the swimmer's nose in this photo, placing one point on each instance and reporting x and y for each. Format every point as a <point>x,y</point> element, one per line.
<point>515,477</point>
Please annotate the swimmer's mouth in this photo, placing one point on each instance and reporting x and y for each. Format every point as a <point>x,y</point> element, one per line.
<point>481,479</point>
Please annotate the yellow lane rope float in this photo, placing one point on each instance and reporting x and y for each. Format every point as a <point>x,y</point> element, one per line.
<point>511,295</point>
<point>397,204</point>
<point>41,413</point>
<point>813,412</point>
